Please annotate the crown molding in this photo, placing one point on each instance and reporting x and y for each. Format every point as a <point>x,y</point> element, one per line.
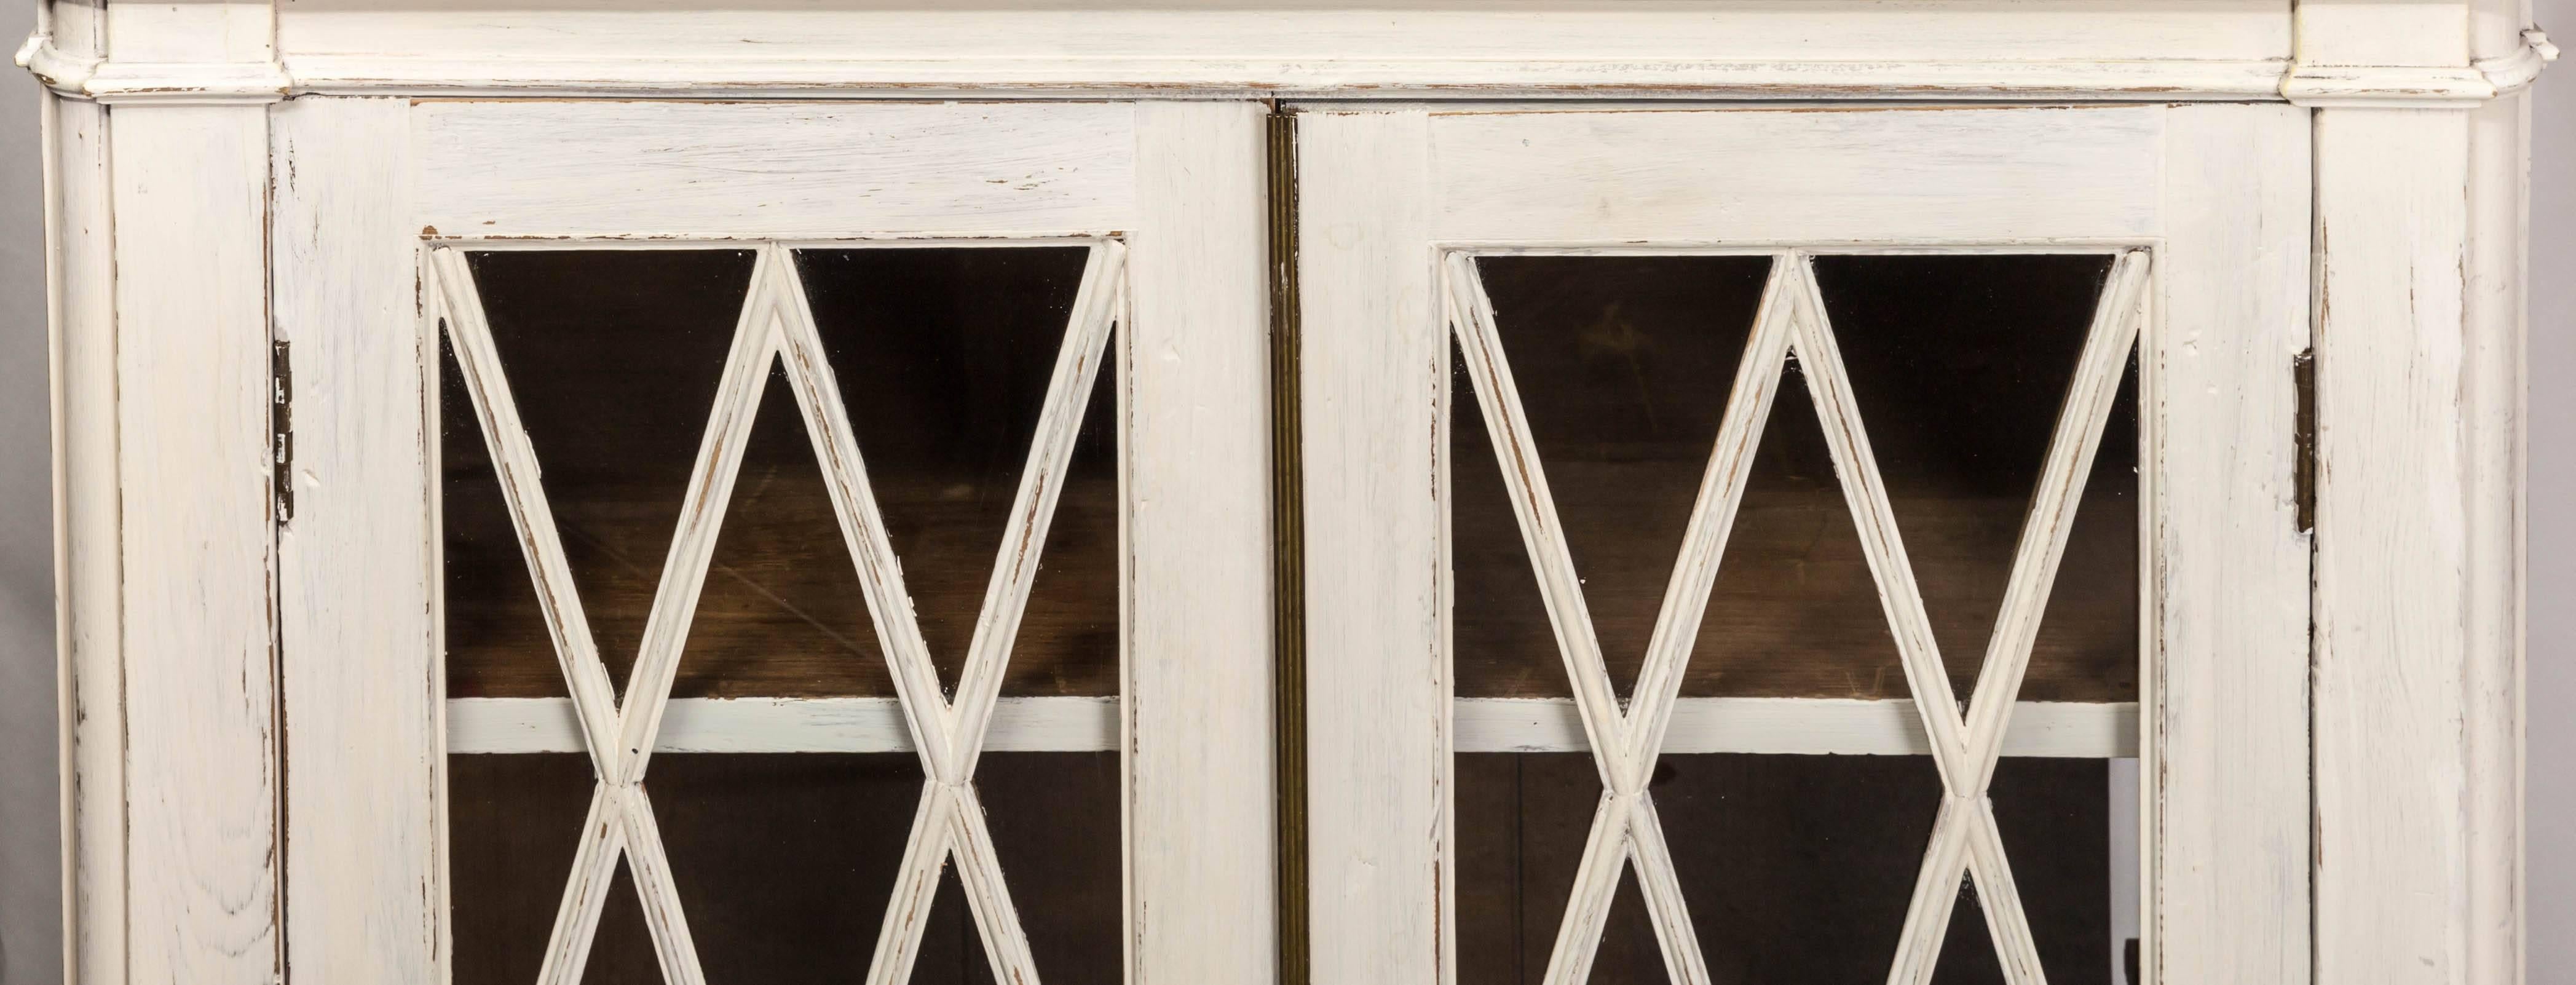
<point>163,83</point>
<point>2420,86</point>
<point>110,81</point>
<point>2512,72</point>
<point>53,68</point>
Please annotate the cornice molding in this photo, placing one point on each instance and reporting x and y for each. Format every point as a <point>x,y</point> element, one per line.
<point>2424,86</point>
<point>2511,73</point>
<point>54,69</point>
<point>2459,87</point>
<point>164,83</point>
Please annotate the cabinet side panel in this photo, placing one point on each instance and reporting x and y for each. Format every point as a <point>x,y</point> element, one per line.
<point>1200,820</point>
<point>360,677</point>
<point>2393,554</point>
<point>2494,409</point>
<point>201,699</point>
<point>2229,616</point>
<point>1375,366</point>
<point>89,556</point>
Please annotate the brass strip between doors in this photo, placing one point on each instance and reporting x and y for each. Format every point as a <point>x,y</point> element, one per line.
<point>1287,552</point>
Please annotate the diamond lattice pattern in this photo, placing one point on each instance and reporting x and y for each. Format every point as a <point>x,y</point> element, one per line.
<point>777,329</point>
<point>1627,738</point>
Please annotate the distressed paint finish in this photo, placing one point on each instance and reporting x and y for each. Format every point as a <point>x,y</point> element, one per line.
<point>1377,667</point>
<point>788,171</point>
<point>88,549</point>
<point>1959,179</point>
<point>1196,450</point>
<point>2227,816</point>
<point>357,568</point>
<point>175,854</point>
<point>2402,500</point>
<point>202,771</point>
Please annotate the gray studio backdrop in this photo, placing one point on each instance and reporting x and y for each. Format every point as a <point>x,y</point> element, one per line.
<point>31,851</point>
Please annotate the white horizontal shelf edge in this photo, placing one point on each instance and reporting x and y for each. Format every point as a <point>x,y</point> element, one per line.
<point>1806,726</point>
<point>1752,725</point>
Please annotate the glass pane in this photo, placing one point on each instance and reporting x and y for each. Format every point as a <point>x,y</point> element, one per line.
<point>612,357</point>
<point>782,612</point>
<point>1794,868</point>
<point>944,357</point>
<point>785,862</point>
<point>513,823</point>
<point>1960,365</point>
<point>1622,366</point>
<point>497,643</point>
<point>622,951</point>
<point>1794,610</point>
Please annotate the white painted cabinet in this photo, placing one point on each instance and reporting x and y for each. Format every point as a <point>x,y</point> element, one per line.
<point>1280,493</point>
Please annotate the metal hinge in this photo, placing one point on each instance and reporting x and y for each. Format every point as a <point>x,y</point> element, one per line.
<point>281,431</point>
<point>2303,473</point>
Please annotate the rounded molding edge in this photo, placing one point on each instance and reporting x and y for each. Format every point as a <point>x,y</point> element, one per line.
<point>167,83</point>
<point>2511,73</point>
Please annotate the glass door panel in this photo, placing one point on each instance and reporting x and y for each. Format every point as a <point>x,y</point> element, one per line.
<point>862,432</point>
<point>1778,589</point>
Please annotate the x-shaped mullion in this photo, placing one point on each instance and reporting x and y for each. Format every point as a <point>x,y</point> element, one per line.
<point>1965,840</point>
<point>777,323</point>
<point>1625,744</point>
<point>950,736</point>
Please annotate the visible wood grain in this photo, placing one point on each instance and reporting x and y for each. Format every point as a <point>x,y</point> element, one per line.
<point>2394,497</point>
<point>361,686</point>
<point>2494,385</point>
<point>1377,672</point>
<point>1196,447</point>
<point>1589,182</point>
<point>1956,48</point>
<point>1771,176</point>
<point>517,169</point>
<point>201,777</point>
<point>2226,839</point>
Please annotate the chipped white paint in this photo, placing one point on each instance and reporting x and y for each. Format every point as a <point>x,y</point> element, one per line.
<point>253,768</point>
<point>357,570</point>
<point>2089,49</point>
<point>777,329</point>
<point>1383,186</point>
<point>200,688</point>
<point>557,169</point>
<point>88,552</point>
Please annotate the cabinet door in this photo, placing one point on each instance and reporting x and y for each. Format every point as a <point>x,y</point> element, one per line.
<point>1742,545</point>
<point>774,541</point>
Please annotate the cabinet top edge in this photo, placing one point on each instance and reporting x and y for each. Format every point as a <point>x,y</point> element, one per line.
<point>1417,50</point>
